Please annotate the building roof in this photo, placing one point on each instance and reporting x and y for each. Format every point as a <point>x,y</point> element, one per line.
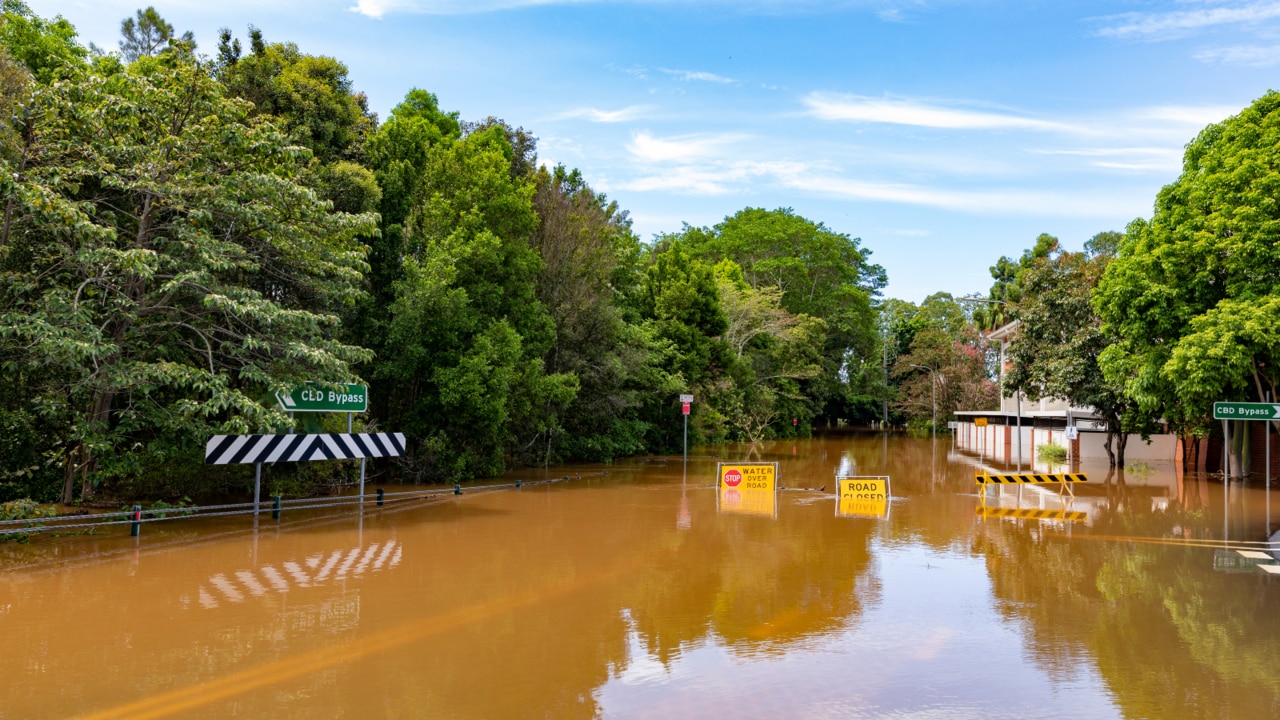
<point>1004,332</point>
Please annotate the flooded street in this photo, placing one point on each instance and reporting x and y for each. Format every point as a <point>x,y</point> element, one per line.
<point>631,592</point>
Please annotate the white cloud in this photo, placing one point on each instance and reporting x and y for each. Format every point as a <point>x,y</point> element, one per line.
<point>1163,25</point>
<point>714,178</point>
<point>605,116</point>
<point>856,108</point>
<point>685,148</point>
<point>692,75</point>
<point>888,10</point>
<point>1162,159</point>
<point>994,201</point>
<point>1251,55</point>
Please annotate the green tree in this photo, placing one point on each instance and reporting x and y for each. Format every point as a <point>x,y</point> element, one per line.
<point>1191,298</point>
<point>147,35</point>
<point>312,95</point>
<point>772,350</point>
<point>164,271</point>
<point>46,48</point>
<point>463,367</point>
<point>589,260</point>
<point>1060,336</point>
<point>820,273</point>
<point>1007,289</point>
<point>939,357</point>
<point>678,301</point>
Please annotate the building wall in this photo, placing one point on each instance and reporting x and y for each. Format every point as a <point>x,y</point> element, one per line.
<point>1001,444</point>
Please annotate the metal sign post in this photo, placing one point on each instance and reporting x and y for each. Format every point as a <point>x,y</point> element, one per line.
<point>686,401</point>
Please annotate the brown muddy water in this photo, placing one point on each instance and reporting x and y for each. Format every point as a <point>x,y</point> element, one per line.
<point>638,594</point>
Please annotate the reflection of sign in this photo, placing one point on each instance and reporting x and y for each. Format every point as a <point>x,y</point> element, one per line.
<point>747,476</point>
<point>862,496</point>
<point>1243,561</point>
<point>1033,514</point>
<point>1032,478</point>
<point>748,502</point>
<point>1245,411</point>
<point>314,398</point>
<point>980,422</point>
<point>1072,433</point>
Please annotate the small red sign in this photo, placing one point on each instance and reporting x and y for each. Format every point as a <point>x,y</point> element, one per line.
<point>732,478</point>
<point>685,408</point>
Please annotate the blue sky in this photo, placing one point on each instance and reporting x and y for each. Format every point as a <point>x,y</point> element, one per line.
<point>943,133</point>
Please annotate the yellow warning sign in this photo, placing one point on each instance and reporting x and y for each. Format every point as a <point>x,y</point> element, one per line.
<point>862,496</point>
<point>979,422</point>
<point>1033,514</point>
<point>1031,478</point>
<point>747,476</point>
<point>747,502</point>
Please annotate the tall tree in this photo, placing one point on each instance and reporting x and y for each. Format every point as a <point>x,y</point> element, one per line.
<point>166,267</point>
<point>1055,351</point>
<point>589,259</point>
<point>1007,288</point>
<point>147,35</point>
<point>1192,297</point>
<point>46,48</point>
<point>820,273</point>
<point>467,333</point>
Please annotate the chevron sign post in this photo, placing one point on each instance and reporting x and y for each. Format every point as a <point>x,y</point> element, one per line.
<point>302,447</point>
<point>238,449</point>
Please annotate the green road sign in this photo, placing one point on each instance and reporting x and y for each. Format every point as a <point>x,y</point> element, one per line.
<point>315,398</point>
<point>1246,411</point>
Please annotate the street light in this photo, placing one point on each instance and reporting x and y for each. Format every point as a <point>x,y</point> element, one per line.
<point>933,394</point>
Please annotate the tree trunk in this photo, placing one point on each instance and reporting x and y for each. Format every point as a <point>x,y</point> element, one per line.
<point>1122,439</point>
<point>68,485</point>
<point>1238,455</point>
<point>1111,458</point>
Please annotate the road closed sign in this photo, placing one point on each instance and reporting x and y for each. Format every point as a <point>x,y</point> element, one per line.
<point>747,476</point>
<point>862,497</point>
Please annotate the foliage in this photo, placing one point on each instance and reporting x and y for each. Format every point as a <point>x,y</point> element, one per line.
<point>1191,298</point>
<point>147,35</point>
<point>1059,339</point>
<point>936,355</point>
<point>1051,454</point>
<point>310,94</point>
<point>46,48</point>
<point>25,509</point>
<point>819,273</point>
<point>467,333</point>
<point>1008,288</point>
<point>163,270</point>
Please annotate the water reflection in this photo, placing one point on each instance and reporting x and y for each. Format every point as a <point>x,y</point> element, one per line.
<point>637,594</point>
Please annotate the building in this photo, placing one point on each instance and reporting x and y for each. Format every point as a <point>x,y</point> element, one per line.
<point>1021,423</point>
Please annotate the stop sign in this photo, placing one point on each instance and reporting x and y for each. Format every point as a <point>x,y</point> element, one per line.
<point>732,478</point>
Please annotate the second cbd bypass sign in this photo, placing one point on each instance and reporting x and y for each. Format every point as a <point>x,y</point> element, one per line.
<point>1246,411</point>
<point>313,397</point>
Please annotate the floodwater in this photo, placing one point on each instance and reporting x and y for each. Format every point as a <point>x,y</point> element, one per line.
<point>639,594</point>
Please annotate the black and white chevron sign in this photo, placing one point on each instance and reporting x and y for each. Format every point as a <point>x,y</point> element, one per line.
<point>233,449</point>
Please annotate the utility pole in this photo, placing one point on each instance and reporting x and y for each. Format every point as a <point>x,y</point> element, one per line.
<point>884,398</point>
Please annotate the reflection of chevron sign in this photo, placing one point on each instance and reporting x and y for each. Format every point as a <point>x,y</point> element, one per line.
<point>233,449</point>
<point>1033,514</point>
<point>1033,478</point>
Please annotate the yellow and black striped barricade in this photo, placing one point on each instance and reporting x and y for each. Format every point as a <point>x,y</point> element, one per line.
<point>1033,514</point>
<point>1065,480</point>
